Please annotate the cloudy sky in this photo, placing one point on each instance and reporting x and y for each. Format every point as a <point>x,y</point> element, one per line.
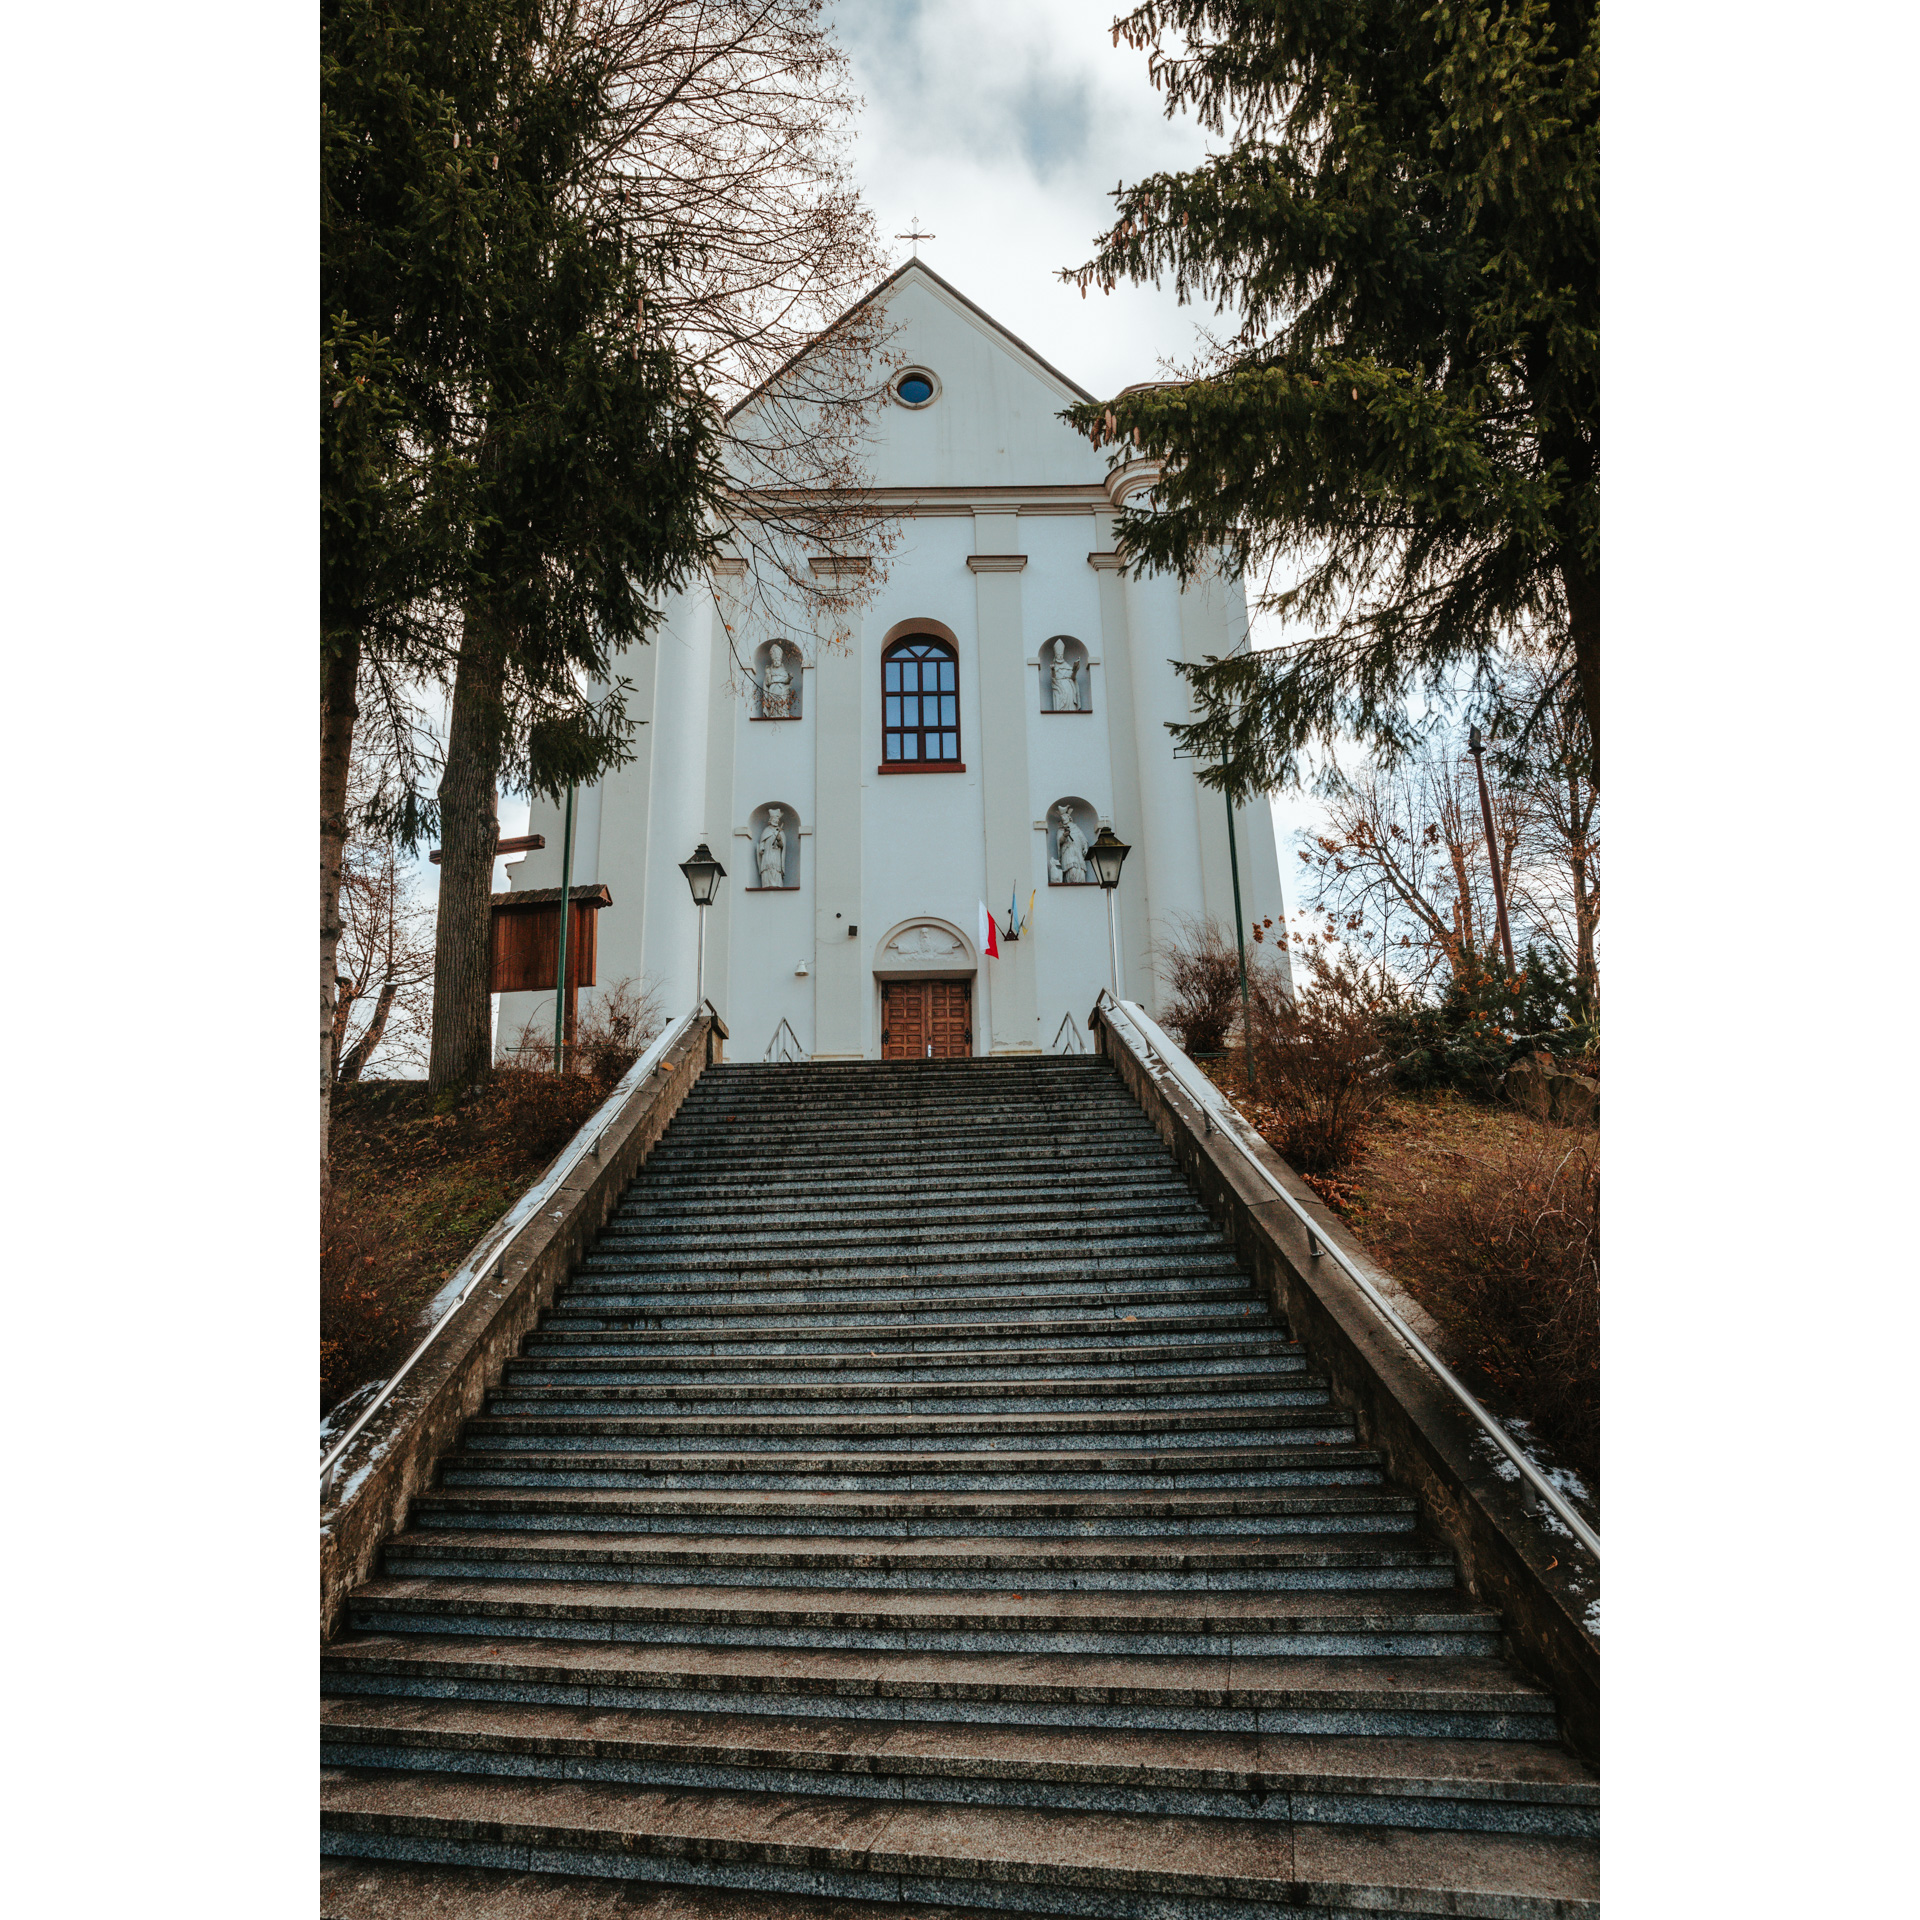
<point>1006,128</point>
<point>1002,130</point>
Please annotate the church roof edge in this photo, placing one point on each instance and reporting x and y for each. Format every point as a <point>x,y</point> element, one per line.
<point>948,288</point>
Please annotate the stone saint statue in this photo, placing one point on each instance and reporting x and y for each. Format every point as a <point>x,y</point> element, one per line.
<point>1071,858</point>
<point>1065,678</point>
<point>770,851</point>
<point>776,690</point>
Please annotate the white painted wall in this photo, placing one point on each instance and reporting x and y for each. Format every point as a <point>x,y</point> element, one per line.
<point>990,469</point>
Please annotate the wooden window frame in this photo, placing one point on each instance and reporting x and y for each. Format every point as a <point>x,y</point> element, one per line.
<point>894,727</point>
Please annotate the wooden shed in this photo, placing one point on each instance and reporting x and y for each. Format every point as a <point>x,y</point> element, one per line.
<point>526,942</point>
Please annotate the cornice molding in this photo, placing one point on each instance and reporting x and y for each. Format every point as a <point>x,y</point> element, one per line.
<point>1135,477</point>
<point>1106,562</point>
<point>824,564</point>
<point>996,562</point>
<point>729,569</point>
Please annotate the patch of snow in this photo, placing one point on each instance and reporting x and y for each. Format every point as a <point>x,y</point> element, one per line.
<point>1563,1480</point>
<point>344,1414</point>
<point>1592,1619</point>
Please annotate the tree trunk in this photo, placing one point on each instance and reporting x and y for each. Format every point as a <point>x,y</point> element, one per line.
<point>342,1012</point>
<point>1586,971</point>
<point>1583,620</point>
<point>339,674</point>
<point>462,1049</point>
<point>362,1049</point>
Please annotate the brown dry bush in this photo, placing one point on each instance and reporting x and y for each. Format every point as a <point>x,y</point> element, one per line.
<point>1517,1280</point>
<point>359,1322</point>
<point>613,1031</point>
<point>1320,1069</point>
<point>1201,971</point>
<point>417,1179</point>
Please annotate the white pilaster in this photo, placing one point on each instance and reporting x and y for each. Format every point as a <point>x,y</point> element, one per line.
<point>1008,806</point>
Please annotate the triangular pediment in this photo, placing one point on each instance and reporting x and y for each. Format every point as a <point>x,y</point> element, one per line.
<point>995,420</point>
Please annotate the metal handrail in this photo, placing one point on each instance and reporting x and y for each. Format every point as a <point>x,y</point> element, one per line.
<point>1225,1118</point>
<point>491,1252</point>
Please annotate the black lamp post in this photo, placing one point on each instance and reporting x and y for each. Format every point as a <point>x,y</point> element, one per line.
<point>1107,856</point>
<point>704,874</point>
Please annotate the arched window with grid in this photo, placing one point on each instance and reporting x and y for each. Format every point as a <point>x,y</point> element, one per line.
<point>920,703</point>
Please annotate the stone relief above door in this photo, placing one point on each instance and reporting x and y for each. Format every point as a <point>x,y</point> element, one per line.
<point>926,944</point>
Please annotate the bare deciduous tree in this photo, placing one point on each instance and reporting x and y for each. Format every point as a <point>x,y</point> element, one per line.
<point>1401,868</point>
<point>719,157</point>
<point>731,148</point>
<point>385,953</point>
<point>1554,873</point>
<point>1402,864</point>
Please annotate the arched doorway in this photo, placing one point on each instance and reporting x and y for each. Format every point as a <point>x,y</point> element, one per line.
<point>925,972</point>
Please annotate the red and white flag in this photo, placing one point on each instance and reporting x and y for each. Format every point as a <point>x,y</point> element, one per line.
<point>988,944</point>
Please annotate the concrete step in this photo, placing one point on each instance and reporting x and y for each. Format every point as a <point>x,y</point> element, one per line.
<point>1066,1149</point>
<point>1452,1785</point>
<point>1147,1182</point>
<point>1135,1867</point>
<point>1460,1698</point>
<point>1358,1506</point>
<point>1229,1625</point>
<point>571,1330</point>
<point>907,1095</point>
<point>603,1424</point>
<point>1305,1465</point>
<point>530,1389</point>
<point>877,1564</point>
<point>948,1264</point>
<point>877,1237</point>
<point>1111,1155</point>
<point>911,1348</point>
<point>361,1889</point>
<point>937,1305</point>
<point>645,1210</point>
<point>1218,1366</point>
<point>642,1393</point>
<point>1032,1114</point>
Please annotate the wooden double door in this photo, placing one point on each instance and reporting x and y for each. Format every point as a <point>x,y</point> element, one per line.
<point>926,1019</point>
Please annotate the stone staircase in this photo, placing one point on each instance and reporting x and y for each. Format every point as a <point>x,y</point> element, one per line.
<point>910,1501</point>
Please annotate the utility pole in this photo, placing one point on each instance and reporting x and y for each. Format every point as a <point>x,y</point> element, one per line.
<point>566,917</point>
<point>1493,850</point>
<point>1240,938</point>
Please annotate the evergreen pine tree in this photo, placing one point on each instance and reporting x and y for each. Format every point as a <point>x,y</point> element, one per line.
<point>587,484</point>
<point>1406,224</point>
<point>405,204</point>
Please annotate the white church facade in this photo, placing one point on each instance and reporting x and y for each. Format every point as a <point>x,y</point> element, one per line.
<point>1005,691</point>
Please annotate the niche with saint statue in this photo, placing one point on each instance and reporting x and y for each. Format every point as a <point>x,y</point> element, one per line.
<point>774,852</point>
<point>1066,681</point>
<point>776,681</point>
<point>1072,827</point>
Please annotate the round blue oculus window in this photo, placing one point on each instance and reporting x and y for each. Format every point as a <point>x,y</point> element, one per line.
<point>916,389</point>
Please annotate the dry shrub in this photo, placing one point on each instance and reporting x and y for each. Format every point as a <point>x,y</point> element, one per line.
<point>614,1030</point>
<point>417,1179</point>
<point>1200,969</point>
<point>1518,1282</point>
<point>359,1321</point>
<point>1319,1065</point>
